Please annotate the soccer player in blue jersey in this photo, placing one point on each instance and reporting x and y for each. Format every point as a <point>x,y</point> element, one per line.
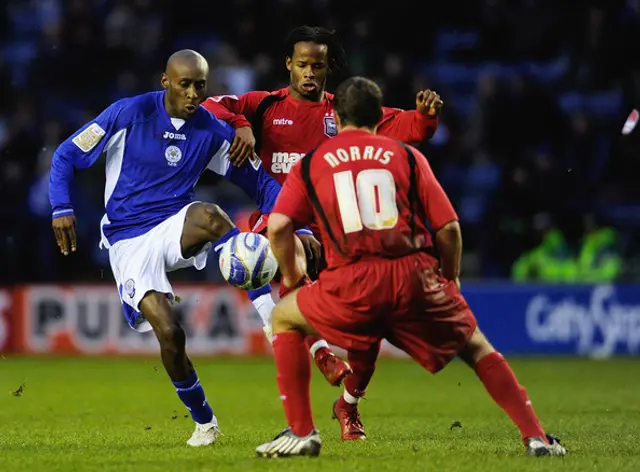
<point>156,146</point>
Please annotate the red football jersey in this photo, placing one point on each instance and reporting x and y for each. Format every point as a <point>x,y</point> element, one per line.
<point>369,196</point>
<point>292,127</point>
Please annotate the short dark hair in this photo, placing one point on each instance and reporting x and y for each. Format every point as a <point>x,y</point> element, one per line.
<point>317,34</point>
<point>358,102</point>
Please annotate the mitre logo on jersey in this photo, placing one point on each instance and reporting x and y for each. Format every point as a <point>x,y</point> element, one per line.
<point>173,154</point>
<point>178,136</point>
<point>282,122</point>
<point>330,128</point>
<point>283,161</point>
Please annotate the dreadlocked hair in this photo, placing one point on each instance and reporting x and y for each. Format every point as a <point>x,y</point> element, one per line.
<point>316,34</point>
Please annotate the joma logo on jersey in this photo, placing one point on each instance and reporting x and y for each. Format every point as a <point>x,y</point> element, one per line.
<point>283,161</point>
<point>168,135</point>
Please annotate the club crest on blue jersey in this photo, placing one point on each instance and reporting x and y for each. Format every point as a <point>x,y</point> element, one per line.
<point>173,154</point>
<point>330,128</point>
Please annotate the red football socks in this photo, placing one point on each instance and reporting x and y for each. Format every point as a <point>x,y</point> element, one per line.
<point>502,385</point>
<point>294,377</point>
<point>363,364</point>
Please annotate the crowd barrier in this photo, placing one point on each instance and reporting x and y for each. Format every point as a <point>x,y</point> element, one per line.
<point>595,321</point>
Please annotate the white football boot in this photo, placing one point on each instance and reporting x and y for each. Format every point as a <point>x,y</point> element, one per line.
<point>539,447</point>
<point>204,434</point>
<point>287,444</point>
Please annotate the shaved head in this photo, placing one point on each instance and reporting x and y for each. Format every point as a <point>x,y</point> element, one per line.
<point>185,82</point>
<point>186,57</point>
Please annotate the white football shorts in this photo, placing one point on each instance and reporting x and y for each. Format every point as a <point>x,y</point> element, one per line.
<point>140,265</point>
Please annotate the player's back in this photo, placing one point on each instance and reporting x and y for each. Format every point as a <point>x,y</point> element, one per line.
<point>364,191</point>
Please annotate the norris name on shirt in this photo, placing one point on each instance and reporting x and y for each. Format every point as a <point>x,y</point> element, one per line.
<point>357,153</point>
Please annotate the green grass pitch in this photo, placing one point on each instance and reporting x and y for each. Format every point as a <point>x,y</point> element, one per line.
<point>123,415</point>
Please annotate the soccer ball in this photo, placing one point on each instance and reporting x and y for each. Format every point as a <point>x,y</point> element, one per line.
<point>246,261</point>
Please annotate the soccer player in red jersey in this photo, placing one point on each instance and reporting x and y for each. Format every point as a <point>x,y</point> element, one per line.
<point>283,125</point>
<point>372,198</point>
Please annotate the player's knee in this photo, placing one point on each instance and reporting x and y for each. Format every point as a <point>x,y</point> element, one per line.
<point>215,220</point>
<point>477,348</point>
<point>278,321</point>
<point>171,336</point>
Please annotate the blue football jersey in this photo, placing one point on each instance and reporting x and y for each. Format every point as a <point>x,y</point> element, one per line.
<point>153,162</point>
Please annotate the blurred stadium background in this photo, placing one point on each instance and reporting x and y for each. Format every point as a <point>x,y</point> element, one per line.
<point>529,148</point>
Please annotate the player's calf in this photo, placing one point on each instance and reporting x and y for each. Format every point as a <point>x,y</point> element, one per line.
<point>171,337</point>
<point>502,384</point>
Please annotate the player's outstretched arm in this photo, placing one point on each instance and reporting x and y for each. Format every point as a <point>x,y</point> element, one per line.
<point>412,126</point>
<point>287,249</point>
<point>80,151</point>
<point>235,110</point>
<point>449,244</point>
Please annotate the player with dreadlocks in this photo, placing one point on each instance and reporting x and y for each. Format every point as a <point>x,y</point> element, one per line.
<point>282,126</point>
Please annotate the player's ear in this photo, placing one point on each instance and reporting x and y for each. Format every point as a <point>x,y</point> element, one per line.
<point>164,81</point>
<point>288,63</point>
<point>336,118</point>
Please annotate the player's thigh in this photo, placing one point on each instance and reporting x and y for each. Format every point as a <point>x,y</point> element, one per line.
<point>287,316</point>
<point>171,235</point>
<point>434,328</point>
<point>350,323</point>
<point>202,223</point>
<point>139,268</point>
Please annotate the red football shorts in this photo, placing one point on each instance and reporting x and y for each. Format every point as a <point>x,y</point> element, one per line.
<point>402,300</point>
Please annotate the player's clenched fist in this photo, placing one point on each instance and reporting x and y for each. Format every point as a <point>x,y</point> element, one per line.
<point>243,146</point>
<point>428,102</point>
<point>64,227</point>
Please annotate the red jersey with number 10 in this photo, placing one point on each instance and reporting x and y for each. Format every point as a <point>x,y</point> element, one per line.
<point>369,195</point>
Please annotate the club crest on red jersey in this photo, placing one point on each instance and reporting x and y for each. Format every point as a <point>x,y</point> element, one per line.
<point>330,128</point>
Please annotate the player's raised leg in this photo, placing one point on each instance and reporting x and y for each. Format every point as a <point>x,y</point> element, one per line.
<point>503,386</point>
<point>300,438</point>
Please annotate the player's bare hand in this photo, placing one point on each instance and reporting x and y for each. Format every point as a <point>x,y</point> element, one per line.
<point>429,102</point>
<point>313,252</point>
<point>293,276</point>
<point>64,228</point>
<point>243,146</point>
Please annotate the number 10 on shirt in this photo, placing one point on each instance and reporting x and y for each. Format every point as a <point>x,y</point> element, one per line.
<point>371,201</point>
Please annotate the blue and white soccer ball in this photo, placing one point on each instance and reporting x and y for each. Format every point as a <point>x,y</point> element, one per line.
<point>246,261</point>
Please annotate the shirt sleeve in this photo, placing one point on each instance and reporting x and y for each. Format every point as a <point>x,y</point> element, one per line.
<point>438,208</point>
<point>293,200</point>
<point>407,126</point>
<point>80,151</point>
<point>250,177</point>
<point>235,110</point>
